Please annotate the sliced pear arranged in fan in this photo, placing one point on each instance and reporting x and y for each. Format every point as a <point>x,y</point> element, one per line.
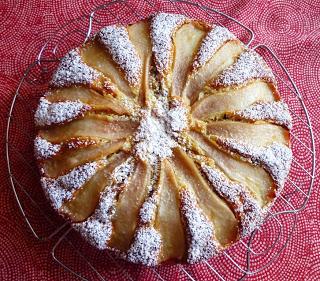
<point>163,141</point>
<point>168,218</point>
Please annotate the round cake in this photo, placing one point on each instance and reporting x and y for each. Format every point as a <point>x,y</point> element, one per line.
<point>165,140</point>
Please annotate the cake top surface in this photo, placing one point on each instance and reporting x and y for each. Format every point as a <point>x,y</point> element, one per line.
<point>125,155</point>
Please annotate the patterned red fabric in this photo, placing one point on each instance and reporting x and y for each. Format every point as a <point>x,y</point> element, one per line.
<point>291,28</point>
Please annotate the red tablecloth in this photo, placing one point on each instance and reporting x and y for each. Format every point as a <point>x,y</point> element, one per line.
<point>291,28</point>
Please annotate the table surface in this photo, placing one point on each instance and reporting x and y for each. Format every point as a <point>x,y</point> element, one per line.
<point>291,28</point>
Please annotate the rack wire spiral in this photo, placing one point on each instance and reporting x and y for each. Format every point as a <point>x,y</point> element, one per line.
<point>249,256</point>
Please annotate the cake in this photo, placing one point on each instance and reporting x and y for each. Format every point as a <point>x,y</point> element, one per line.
<point>163,141</point>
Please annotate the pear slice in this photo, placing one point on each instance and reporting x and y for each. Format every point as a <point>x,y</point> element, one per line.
<point>125,218</point>
<point>64,162</point>
<point>216,209</point>
<point>257,134</point>
<point>224,57</point>
<point>168,221</point>
<point>86,199</point>
<point>88,96</point>
<point>255,178</point>
<point>186,41</point>
<point>215,105</point>
<point>93,126</point>
<point>94,55</point>
<point>140,38</point>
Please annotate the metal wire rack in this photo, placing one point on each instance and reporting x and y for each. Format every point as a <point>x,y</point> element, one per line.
<point>249,256</point>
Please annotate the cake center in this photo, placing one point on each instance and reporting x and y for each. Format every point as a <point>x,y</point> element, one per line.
<point>159,130</point>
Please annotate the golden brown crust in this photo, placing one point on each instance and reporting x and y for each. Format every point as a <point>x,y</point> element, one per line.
<point>163,141</point>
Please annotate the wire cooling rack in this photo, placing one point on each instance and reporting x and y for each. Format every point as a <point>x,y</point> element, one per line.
<point>246,258</point>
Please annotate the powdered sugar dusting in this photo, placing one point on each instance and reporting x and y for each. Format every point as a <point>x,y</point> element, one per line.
<point>44,149</point>
<point>211,43</point>
<point>62,188</point>
<point>146,246</point>
<point>276,111</point>
<point>152,141</point>
<point>162,28</point>
<point>201,237</point>
<point>56,193</point>
<point>80,142</point>
<point>60,112</point>
<point>73,70</point>
<point>248,66</point>
<point>246,206</point>
<point>97,229</point>
<point>122,172</point>
<point>148,209</point>
<point>159,129</point>
<point>275,158</point>
<point>117,42</point>
<point>177,116</point>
